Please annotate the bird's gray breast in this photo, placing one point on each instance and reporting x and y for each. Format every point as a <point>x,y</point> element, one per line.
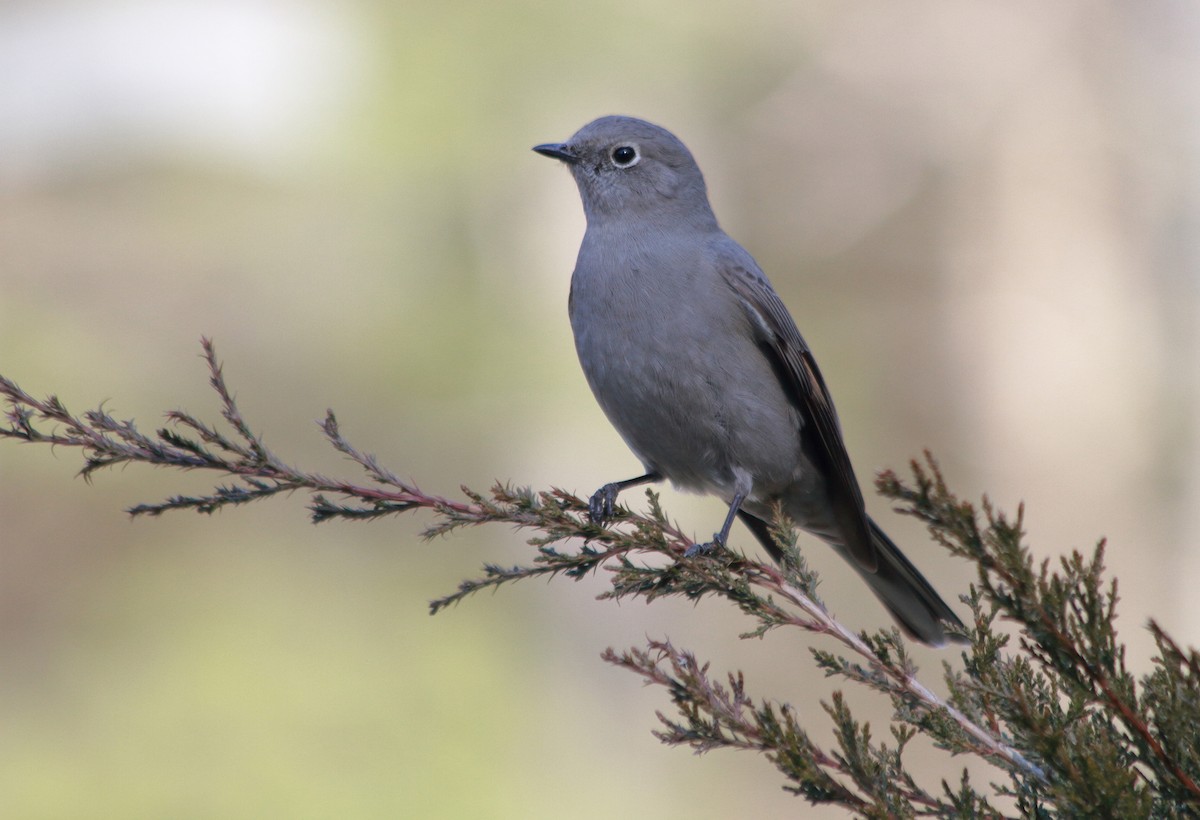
<point>672,358</point>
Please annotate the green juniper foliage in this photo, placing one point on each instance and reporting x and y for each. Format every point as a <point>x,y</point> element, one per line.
<point>1070,731</point>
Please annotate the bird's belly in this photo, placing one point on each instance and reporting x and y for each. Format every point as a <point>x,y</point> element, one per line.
<point>697,415</point>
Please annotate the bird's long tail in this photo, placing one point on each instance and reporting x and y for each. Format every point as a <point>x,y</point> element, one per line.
<point>900,587</point>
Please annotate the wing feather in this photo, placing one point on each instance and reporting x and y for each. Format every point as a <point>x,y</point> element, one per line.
<point>821,432</point>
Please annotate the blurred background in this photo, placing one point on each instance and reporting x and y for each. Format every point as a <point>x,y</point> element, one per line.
<point>983,216</point>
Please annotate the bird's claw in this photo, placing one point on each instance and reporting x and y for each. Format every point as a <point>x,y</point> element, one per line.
<point>602,505</point>
<point>718,543</point>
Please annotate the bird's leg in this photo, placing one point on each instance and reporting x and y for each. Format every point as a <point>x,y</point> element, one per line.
<point>719,538</point>
<point>601,506</point>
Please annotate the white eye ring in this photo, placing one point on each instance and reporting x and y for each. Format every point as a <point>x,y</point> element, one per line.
<point>625,155</point>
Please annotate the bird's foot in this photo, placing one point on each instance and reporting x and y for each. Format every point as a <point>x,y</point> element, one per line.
<point>718,543</point>
<point>602,505</point>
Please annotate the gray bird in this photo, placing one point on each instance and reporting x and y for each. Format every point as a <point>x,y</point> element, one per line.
<point>700,367</point>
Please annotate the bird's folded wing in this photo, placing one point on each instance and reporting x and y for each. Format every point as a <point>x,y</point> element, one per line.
<point>803,382</point>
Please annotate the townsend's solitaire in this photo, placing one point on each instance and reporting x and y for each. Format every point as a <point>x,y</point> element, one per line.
<point>699,366</point>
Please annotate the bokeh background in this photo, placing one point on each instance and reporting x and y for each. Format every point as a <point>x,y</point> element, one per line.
<point>984,217</point>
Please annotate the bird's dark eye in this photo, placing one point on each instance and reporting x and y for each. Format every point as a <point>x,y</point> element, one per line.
<point>624,155</point>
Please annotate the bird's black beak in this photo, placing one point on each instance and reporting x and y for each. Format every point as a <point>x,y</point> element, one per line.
<point>557,150</point>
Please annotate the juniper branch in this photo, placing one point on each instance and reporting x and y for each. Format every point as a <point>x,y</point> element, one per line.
<point>1061,716</point>
<point>1069,654</point>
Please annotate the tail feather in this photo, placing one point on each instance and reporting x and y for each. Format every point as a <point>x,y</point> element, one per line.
<point>899,585</point>
<point>911,599</point>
